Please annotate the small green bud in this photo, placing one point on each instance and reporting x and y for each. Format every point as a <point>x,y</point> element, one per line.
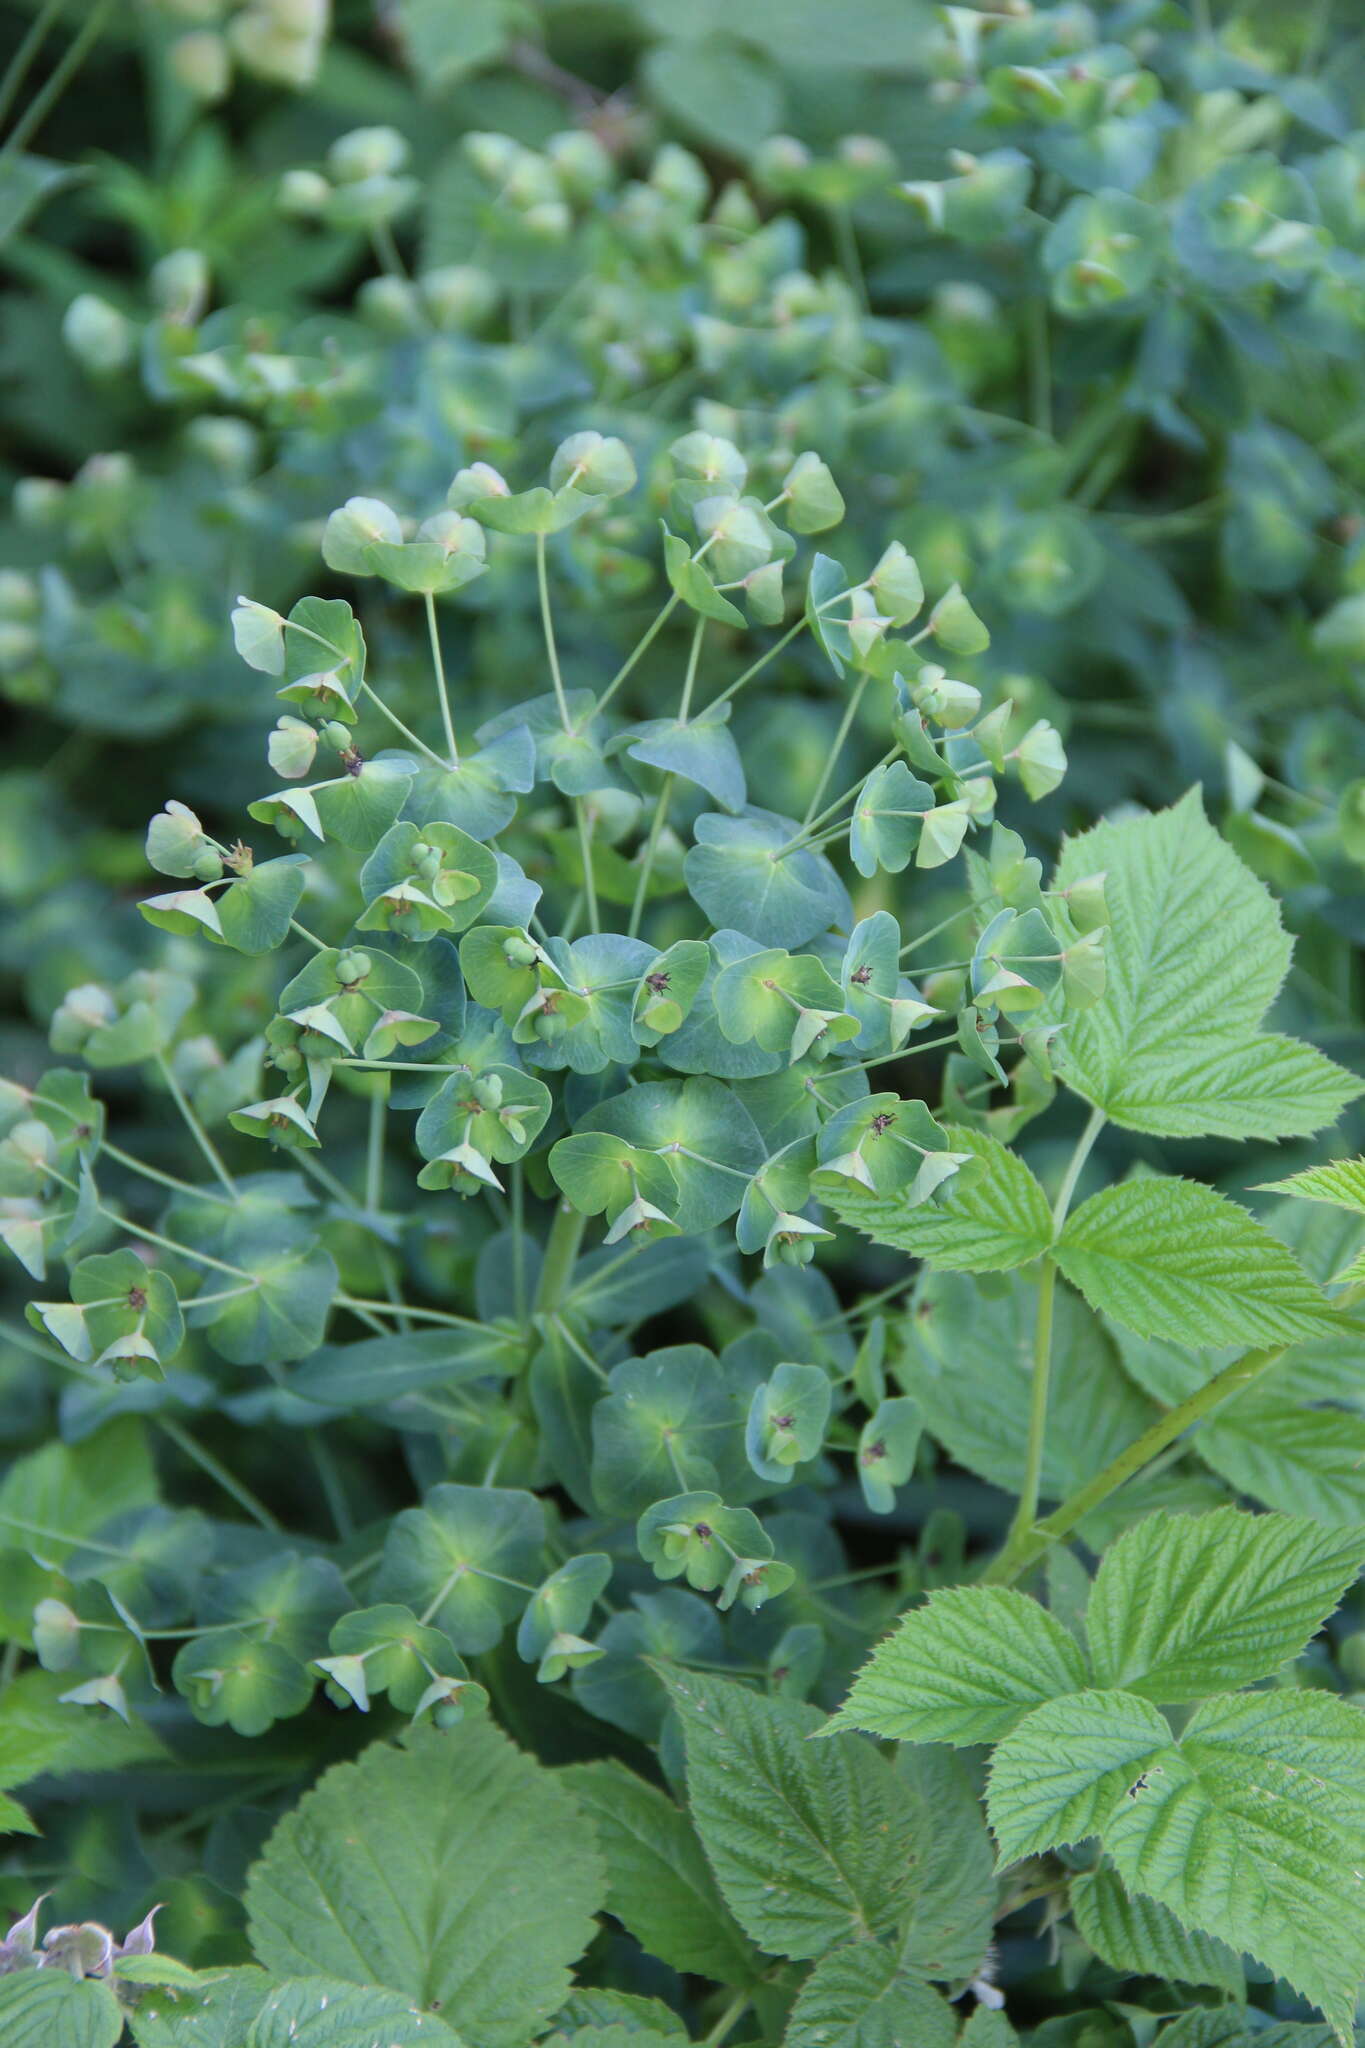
<point>39,502</point>
<point>366,153</point>
<point>19,598</point>
<point>180,286</point>
<point>303,194</point>
<point>780,163</point>
<point>19,645</point>
<point>208,866</point>
<point>491,155</point>
<point>585,168</point>
<point>520,953</point>
<point>681,177</point>
<point>459,296</point>
<point>391,305</point>
<point>98,335</point>
<point>232,446</point>
<point>201,64</point>
<point>487,1091</point>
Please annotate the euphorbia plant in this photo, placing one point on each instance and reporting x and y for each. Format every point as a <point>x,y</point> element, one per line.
<point>646,1073</point>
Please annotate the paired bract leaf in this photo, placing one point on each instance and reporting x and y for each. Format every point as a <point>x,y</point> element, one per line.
<point>1196,954</point>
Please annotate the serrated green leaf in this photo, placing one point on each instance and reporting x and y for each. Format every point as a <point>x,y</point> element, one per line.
<point>812,1845</point>
<point>1196,954</point>
<point>1338,1181</point>
<point>454,1870</point>
<point>1250,1829</point>
<point>951,1925</point>
<point>40,2008</point>
<point>964,1668</point>
<point>1188,1605</point>
<point>1058,1776</point>
<point>1172,1258</point>
<point>1144,1939</point>
<point>218,2014</point>
<point>660,1885</point>
<point>1000,1219</point>
<point>861,1997</point>
<point>321,2012</point>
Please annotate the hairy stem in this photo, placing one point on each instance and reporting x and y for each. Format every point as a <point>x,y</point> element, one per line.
<point>1026,1513</point>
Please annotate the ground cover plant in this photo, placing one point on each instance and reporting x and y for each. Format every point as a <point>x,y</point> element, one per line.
<point>679,1146</point>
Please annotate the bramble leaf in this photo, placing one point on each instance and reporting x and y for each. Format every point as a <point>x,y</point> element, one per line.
<point>412,1869</point>
<point>861,1997</point>
<point>964,1668</point>
<point>1172,1258</point>
<point>1187,1605</point>
<point>1196,954</point>
<point>998,1220</point>
<point>812,1845</point>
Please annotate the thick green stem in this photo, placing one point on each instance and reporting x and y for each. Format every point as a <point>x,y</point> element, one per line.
<point>1023,1550</point>
<point>374,1146</point>
<point>561,1256</point>
<point>1026,1513</point>
<point>397,723</point>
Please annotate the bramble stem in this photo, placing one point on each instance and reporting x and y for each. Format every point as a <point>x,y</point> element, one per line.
<point>438,664</point>
<point>196,1129</point>
<point>1027,1511</point>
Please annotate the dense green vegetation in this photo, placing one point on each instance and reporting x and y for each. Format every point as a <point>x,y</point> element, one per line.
<point>682,867</point>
